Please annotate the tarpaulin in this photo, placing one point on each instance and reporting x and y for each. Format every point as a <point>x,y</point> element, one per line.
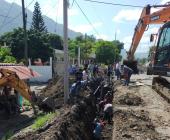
<point>22,71</point>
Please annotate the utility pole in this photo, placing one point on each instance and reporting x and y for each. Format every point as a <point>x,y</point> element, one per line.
<point>25,33</point>
<point>79,56</point>
<point>115,35</point>
<point>65,29</point>
<point>86,48</point>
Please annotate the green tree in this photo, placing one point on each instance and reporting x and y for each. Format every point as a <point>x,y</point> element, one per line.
<point>106,52</point>
<point>55,41</point>
<point>86,44</point>
<point>72,48</point>
<point>38,44</point>
<point>37,19</point>
<point>6,56</point>
<point>118,44</point>
<point>15,41</point>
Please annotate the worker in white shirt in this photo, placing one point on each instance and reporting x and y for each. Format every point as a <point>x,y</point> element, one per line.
<point>108,112</point>
<point>118,70</point>
<point>85,74</point>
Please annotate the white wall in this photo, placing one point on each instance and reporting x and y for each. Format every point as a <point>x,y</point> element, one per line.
<point>44,71</point>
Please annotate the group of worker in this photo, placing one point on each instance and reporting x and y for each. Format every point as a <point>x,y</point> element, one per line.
<point>125,71</point>
<point>103,99</point>
<point>104,109</point>
<point>92,70</point>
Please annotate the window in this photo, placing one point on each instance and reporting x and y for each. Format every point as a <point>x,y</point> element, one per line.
<point>165,38</point>
<point>162,57</point>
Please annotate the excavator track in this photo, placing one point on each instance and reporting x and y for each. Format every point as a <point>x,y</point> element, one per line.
<point>162,86</point>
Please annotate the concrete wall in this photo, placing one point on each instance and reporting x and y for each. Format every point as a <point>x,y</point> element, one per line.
<point>44,71</point>
<point>58,67</point>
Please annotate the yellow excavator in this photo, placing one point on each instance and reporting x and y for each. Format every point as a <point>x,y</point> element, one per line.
<point>160,60</point>
<point>9,79</point>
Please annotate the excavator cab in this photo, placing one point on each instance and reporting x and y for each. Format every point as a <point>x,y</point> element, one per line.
<point>161,59</point>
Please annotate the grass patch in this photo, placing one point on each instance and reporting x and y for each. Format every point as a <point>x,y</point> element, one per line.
<point>43,120</point>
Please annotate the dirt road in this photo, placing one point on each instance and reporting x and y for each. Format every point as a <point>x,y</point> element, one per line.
<point>140,113</point>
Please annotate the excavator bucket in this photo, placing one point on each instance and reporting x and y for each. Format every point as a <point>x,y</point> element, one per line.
<point>13,76</point>
<point>131,64</point>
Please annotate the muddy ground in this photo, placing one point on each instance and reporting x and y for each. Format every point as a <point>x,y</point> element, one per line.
<point>74,121</point>
<point>140,113</point>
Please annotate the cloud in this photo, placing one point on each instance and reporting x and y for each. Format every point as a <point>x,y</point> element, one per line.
<point>127,42</point>
<point>50,8</point>
<point>55,9</point>
<point>130,15</point>
<point>142,47</point>
<point>103,36</point>
<point>127,15</point>
<point>118,31</point>
<point>153,30</point>
<point>144,43</point>
<point>73,12</point>
<point>164,1</point>
<point>85,28</point>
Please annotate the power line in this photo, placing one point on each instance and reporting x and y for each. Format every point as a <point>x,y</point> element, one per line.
<point>7,14</point>
<point>29,22</point>
<point>72,3</point>
<point>87,18</point>
<point>101,20</point>
<point>30,3</point>
<point>49,9</point>
<point>16,15</point>
<point>55,24</point>
<point>115,4</point>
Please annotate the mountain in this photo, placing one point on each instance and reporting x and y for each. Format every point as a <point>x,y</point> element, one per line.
<point>14,20</point>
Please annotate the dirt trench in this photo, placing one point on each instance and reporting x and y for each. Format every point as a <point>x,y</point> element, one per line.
<point>74,124</point>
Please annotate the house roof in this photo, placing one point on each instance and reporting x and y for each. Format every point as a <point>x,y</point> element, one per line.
<point>22,71</point>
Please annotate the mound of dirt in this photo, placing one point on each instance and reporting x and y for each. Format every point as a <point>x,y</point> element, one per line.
<point>133,125</point>
<point>75,124</point>
<point>54,92</point>
<point>130,99</point>
<point>54,86</point>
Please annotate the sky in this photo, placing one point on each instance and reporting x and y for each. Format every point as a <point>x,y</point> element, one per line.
<point>106,21</point>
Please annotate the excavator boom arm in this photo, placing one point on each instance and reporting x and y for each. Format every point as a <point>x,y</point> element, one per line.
<point>146,18</point>
<point>10,78</point>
